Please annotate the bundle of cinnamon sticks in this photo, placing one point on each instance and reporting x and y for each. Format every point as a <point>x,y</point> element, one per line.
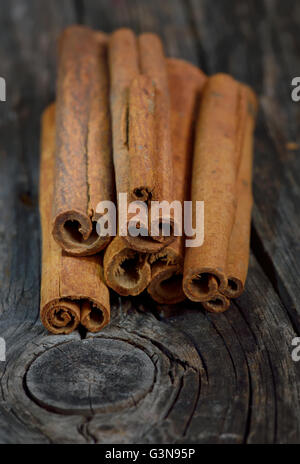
<point>131,125</point>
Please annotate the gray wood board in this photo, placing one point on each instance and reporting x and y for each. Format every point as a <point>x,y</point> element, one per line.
<point>155,374</point>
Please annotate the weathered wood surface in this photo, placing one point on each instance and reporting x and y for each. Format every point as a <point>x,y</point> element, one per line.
<point>178,375</point>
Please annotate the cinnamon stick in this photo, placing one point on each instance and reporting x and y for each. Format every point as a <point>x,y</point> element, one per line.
<point>83,169</point>
<point>126,271</point>
<point>218,304</point>
<point>72,290</point>
<point>166,274</point>
<point>141,130</point>
<point>185,84</point>
<point>239,245</point>
<point>218,145</point>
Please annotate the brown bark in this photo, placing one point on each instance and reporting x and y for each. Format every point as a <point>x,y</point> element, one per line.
<point>185,85</point>
<point>166,274</point>
<point>126,271</point>
<point>72,290</point>
<point>218,304</point>
<point>141,128</point>
<point>220,137</point>
<point>239,244</point>
<point>84,168</point>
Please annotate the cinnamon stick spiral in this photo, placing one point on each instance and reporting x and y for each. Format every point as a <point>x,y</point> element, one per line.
<point>83,168</point>
<point>140,110</point>
<point>185,84</point>
<point>72,289</point>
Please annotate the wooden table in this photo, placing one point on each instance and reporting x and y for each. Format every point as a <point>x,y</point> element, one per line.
<point>180,375</point>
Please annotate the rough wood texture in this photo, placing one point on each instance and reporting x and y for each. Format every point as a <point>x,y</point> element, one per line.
<point>224,378</point>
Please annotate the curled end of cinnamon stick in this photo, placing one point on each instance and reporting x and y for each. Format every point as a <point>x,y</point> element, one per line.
<point>234,288</point>
<point>166,277</point>
<point>151,243</point>
<point>204,284</point>
<point>218,304</point>
<point>61,316</point>
<point>77,235</point>
<point>154,233</point>
<point>126,271</point>
<point>166,284</point>
<point>93,317</point>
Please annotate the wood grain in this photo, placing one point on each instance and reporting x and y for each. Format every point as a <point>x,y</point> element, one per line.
<point>224,378</point>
